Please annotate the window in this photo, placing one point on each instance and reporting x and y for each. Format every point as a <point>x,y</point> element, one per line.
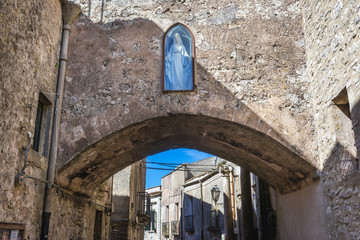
<point>175,224</point>
<point>345,134</point>
<point>98,226</point>
<point>188,211</point>
<point>42,125</point>
<point>342,102</point>
<point>177,213</point>
<point>165,224</point>
<point>178,59</point>
<point>152,225</point>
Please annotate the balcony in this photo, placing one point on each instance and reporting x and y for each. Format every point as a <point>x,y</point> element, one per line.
<point>165,228</point>
<point>143,212</point>
<point>175,228</point>
<point>189,223</point>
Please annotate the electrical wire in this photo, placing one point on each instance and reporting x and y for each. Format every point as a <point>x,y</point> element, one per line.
<point>174,169</point>
<point>177,164</point>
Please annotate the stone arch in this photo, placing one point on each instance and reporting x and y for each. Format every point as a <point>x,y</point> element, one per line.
<point>261,154</point>
<point>113,97</point>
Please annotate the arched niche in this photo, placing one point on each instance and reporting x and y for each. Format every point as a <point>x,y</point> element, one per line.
<point>178,59</point>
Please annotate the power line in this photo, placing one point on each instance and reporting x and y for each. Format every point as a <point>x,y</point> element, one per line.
<point>174,169</point>
<point>177,164</point>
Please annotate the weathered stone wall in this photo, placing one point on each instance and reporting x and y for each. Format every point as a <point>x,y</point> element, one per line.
<point>249,55</point>
<point>74,217</point>
<point>253,51</point>
<point>249,70</point>
<point>332,46</point>
<point>30,34</point>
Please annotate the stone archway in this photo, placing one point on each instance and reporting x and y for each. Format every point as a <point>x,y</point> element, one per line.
<point>251,149</point>
<point>114,111</point>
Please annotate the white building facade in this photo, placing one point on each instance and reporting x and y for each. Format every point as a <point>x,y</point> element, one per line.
<point>153,230</point>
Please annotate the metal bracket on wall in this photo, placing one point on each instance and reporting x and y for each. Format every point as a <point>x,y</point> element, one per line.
<point>17,178</point>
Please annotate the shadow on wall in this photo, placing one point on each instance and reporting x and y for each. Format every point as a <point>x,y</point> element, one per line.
<point>341,177</point>
<point>199,221</point>
<point>115,113</point>
<point>119,218</point>
<point>355,114</point>
<point>121,208</point>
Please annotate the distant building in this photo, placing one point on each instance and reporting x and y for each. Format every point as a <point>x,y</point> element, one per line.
<point>199,201</point>
<point>131,203</point>
<point>153,229</point>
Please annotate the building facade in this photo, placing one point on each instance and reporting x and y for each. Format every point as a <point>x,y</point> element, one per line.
<point>130,213</point>
<point>189,209</point>
<point>153,230</point>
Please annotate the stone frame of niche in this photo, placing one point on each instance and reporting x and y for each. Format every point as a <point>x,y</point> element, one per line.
<point>193,60</point>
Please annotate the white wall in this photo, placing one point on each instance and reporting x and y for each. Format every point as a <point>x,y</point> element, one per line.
<point>301,214</point>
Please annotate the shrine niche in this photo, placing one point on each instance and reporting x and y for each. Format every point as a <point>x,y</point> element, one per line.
<point>178,59</point>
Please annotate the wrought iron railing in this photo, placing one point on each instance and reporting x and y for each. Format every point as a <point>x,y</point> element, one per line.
<point>175,228</point>
<point>189,223</point>
<point>143,199</point>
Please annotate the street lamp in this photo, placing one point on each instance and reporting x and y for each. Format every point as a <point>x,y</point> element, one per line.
<point>215,194</point>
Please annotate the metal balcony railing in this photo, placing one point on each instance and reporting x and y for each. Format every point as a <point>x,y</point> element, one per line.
<point>165,228</point>
<point>189,223</point>
<point>143,199</point>
<point>175,228</point>
<point>143,211</point>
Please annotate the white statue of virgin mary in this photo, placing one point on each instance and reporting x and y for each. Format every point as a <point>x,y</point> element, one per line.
<point>178,67</point>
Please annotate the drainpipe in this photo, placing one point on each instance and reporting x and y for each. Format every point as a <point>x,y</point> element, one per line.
<point>202,210</point>
<point>232,195</point>
<point>246,206</point>
<point>228,217</point>
<point>70,13</point>
<point>181,217</point>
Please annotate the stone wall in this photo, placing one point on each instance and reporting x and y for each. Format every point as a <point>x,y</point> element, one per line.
<point>30,35</point>
<point>332,46</point>
<point>244,75</point>
<point>249,55</point>
<point>74,217</point>
<point>264,56</point>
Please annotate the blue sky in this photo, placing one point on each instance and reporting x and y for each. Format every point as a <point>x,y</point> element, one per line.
<point>180,155</point>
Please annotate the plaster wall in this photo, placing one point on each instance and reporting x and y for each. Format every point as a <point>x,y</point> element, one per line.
<point>121,197</point>
<point>137,206</point>
<point>155,198</point>
<point>202,204</point>
<point>301,214</point>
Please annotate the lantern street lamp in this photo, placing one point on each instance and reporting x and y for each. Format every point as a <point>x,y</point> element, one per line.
<point>215,193</point>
